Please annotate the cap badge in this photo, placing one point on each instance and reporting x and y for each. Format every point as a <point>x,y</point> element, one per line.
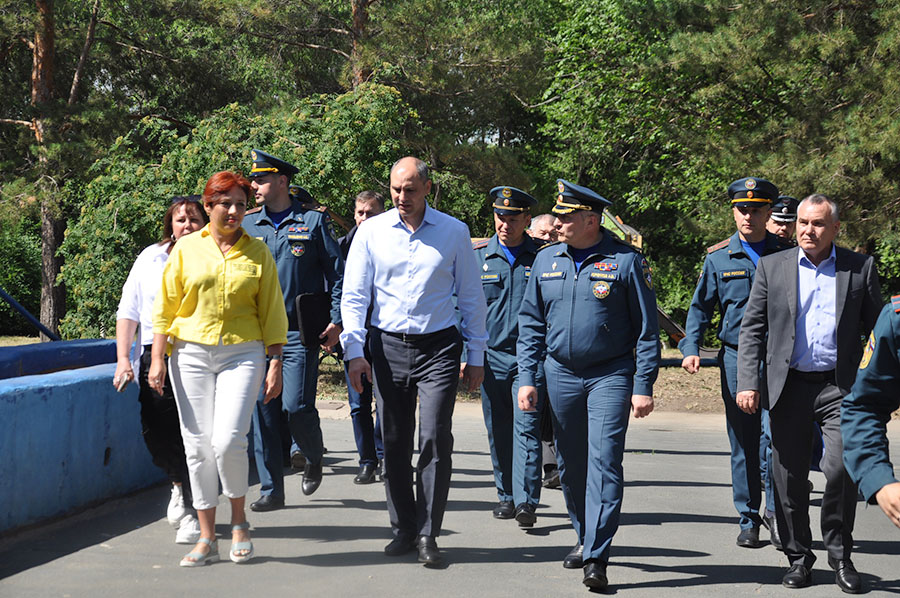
<point>749,194</point>
<point>506,202</point>
<point>559,199</point>
<point>784,210</point>
<point>750,184</point>
<point>560,186</point>
<point>506,192</point>
<point>253,155</point>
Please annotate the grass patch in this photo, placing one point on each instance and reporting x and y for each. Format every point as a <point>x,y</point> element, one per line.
<point>13,341</point>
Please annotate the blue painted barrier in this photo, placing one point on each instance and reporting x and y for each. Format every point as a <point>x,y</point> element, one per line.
<point>68,440</point>
<point>42,358</point>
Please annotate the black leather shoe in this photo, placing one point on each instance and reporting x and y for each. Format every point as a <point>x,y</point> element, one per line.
<point>379,472</point>
<point>595,575</point>
<point>771,522</point>
<point>429,553</point>
<point>749,538</point>
<point>574,560</point>
<point>797,576</point>
<point>366,474</point>
<point>400,545</point>
<point>525,515</point>
<point>845,576</point>
<point>551,479</point>
<point>312,477</point>
<point>505,510</point>
<point>298,461</point>
<point>267,502</point>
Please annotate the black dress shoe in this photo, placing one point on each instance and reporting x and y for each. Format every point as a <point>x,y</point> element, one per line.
<point>845,576</point>
<point>574,560</point>
<point>595,575</point>
<point>298,461</point>
<point>267,502</point>
<point>429,553</point>
<point>771,522</point>
<point>505,510</point>
<point>749,538</point>
<point>551,479</point>
<point>312,477</point>
<point>401,544</point>
<point>525,515</point>
<point>797,576</point>
<point>379,471</point>
<point>366,474</point>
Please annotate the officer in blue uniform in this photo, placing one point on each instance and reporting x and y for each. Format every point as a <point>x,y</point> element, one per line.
<point>783,220</point>
<point>505,263</point>
<point>725,283</point>
<point>866,411</point>
<point>590,309</point>
<point>306,252</point>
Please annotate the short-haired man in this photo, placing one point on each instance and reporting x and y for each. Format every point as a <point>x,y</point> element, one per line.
<point>809,309</point>
<point>307,255</point>
<point>589,314</point>
<point>725,284</point>
<point>407,264</point>
<point>542,227</point>
<point>513,434</point>
<point>783,220</point>
<point>366,432</point>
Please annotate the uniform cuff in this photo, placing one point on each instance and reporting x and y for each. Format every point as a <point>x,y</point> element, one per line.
<point>689,349</point>
<point>642,388</point>
<point>874,480</point>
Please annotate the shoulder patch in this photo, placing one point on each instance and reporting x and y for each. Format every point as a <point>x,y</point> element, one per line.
<point>254,210</point>
<point>480,244</point>
<point>895,303</point>
<point>867,354</point>
<point>718,246</point>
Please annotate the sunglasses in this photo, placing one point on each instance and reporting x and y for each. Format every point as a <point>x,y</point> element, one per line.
<point>185,198</point>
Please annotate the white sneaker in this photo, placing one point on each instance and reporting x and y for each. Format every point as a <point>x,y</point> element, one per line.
<point>189,531</point>
<point>176,510</point>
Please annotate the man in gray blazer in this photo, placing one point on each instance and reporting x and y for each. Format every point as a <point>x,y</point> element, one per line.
<point>810,309</point>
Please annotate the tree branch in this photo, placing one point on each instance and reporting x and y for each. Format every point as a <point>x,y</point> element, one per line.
<point>118,29</point>
<point>27,42</point>
<point>82,60</point>
<point>161,117</point>
<point>13,121</point>
<point>298,44</point>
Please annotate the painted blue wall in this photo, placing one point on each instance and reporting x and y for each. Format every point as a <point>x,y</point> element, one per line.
<point>41,358</point>
<point>68,439</point>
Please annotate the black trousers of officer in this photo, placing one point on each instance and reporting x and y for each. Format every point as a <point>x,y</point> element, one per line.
<point>804,400</point>
<point>424,366</point>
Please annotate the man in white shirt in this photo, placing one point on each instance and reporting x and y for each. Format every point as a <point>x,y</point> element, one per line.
<point>409,263</point>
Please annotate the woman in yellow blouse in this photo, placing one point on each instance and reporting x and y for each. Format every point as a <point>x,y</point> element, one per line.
<point>221,306</point>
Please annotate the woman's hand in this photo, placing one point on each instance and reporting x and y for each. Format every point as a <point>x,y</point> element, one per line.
<point>124,373</point>
<point>157,375</point>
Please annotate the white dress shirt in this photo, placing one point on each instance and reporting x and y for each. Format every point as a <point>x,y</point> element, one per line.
<point>410,279</point>
<point>815,343</point>
<point>140,290</point>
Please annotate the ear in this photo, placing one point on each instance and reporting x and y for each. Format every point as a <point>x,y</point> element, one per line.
<point>427,187</point>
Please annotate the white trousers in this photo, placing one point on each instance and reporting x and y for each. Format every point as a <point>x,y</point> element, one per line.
<point>215,388</point>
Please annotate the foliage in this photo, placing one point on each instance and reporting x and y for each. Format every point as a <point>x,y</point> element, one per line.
<point>20,274</point>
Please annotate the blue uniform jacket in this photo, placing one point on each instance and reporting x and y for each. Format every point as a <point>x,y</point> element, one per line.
<point>603,312</point>
<point>504,287</point>
<point>306,255</point>
<point>867,409</point>
<point>725,282</point>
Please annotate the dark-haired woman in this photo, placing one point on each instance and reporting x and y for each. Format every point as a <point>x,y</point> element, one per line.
<point>159,416</point>
<point>221,305</point>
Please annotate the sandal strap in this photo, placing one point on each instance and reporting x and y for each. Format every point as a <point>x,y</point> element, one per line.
<point>240,526</point>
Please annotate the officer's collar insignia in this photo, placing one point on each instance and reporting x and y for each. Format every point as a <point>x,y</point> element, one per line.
<point>506,192</point>
<point>750,184</point>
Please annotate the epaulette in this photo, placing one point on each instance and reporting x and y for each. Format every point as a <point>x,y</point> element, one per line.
<point>480,243</point>
<point>718,246</point>
<point>317,208</point>
<point>551,244</point>
<point>254,210</point>
<point>895,303</point>
<point>626,244</point>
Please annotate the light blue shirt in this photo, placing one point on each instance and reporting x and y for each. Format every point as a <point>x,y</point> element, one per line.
<point>815,343</point>
<point>410,279</point>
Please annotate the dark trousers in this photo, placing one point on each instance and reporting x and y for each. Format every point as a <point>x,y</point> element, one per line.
<point>161,429</point>
<point>801,403</point>
<point>366,432</point>
<point>300,374</point>
<point>426,367</point>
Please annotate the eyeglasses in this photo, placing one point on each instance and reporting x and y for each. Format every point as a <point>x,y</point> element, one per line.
<point>186,198</point>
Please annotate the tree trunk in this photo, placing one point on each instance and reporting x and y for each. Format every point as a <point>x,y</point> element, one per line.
<point>43,60</point>
<point>359,10</point>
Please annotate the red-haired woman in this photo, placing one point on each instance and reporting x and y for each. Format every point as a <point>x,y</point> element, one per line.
<point>159,416</point>
<point>221,305</point>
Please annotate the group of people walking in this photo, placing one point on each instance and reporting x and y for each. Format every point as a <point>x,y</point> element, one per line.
<point>566,328</point>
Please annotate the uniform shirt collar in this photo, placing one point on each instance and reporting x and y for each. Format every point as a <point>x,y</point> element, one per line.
<point>296,206</point>
<point>606,247</point>
<point>493,246</point>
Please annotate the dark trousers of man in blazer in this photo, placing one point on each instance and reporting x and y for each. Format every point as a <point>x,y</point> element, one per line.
<point>796,398</point>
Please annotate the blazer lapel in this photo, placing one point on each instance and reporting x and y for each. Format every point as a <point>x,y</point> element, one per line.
<point>791,280</point>
<point>841,284</point>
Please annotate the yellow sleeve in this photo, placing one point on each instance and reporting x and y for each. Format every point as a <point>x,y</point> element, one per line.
<point>273,320</point>
<point>171,292</point>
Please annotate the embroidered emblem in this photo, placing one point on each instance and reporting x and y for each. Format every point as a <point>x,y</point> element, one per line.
<point>600,289</point>
<point>298,249</point>
<point>870,349</point>
<point>735,274</point>
<point>645,267</point>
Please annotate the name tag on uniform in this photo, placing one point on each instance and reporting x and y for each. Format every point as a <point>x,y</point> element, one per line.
<point>248,269</point>
<point>260,238</point>
<point>603,275</point>
<point>553,275</point>
<point>298,237</point>
<point>735,274</point>
<point>495,277</point>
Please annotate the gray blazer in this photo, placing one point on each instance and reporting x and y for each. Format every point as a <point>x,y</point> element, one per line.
<point>770,320</point>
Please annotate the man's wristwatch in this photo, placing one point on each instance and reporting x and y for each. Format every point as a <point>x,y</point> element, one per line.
<point>277,357</point>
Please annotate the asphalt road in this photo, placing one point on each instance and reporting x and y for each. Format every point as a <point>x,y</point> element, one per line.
<point>677,536</point>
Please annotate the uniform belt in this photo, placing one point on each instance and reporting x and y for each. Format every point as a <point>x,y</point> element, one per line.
<point>814,377</point>
<point>415,338</point>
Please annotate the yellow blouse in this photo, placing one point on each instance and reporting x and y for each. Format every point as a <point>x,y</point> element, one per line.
<point>206,296</point>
